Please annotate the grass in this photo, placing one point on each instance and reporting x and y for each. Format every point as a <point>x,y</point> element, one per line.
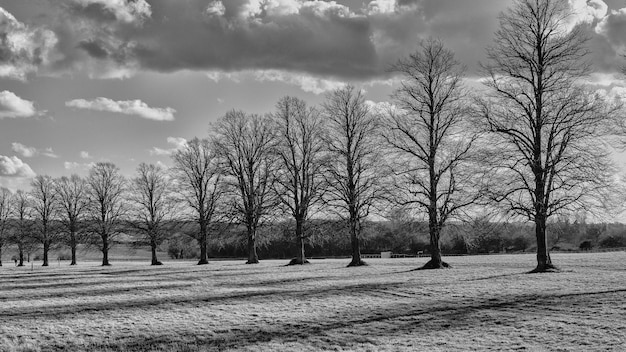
<point>483,303</point>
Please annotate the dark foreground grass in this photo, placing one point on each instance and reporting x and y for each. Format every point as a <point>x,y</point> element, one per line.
<point>483,303</point>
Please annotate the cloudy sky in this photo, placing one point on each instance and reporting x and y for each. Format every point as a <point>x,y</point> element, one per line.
<point>128,81</point>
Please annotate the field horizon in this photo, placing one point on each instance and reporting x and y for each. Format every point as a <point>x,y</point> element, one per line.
<point>482,303</point>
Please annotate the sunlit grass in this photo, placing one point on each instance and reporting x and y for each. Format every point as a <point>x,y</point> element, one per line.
<point>483,303</point>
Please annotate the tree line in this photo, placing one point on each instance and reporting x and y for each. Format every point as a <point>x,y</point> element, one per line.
<point>532,143</point>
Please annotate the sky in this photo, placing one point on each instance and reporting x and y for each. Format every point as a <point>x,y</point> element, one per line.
<point>128,81</point>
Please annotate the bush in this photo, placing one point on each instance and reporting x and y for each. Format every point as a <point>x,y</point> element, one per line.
<point>182,247</point>
<point>64,256</point>
<point>613,242</point>
<point>585,245</point>
<point>519,243</point>
<point>456,245</point>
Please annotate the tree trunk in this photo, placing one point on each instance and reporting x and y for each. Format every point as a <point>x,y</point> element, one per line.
<point>253,258</point>
<point>46,248</point>
<point>356,247</point>
<point>105,250</point>
<point>300,258</point>
<point>544,263</point>
<point>204,257</point>
<point>73,247</point>
<point>435,261</point>
<point>153,247</point>
<point>21,255</point>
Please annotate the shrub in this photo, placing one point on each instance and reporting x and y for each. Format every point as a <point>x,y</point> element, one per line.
<point>613,241</point>
<point>585,245</point>
<point>64,256</point>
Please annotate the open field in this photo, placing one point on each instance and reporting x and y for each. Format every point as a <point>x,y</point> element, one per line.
<point>483,303</point>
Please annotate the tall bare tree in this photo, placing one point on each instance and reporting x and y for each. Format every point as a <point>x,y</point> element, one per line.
<point>247,143</point>
<point>353,177</point>
<point>73,200</point>
<point>44,203</point>
<point>426,133</point>
<point>200,183</point>
<point>106,188</point>
<point>5,218</point>
<point>22,210</point>
<point>300,148</point>
<point>153,208</point>
<point>546,129</point>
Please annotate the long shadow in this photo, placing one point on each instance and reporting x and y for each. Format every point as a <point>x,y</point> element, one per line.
<point>59,311</point>
<point>81,292</point>
<point>401,319</point>
<point>80,282</point>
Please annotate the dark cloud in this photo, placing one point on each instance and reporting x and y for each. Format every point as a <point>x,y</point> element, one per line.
<point>94,49</point>
<point>113,38</point>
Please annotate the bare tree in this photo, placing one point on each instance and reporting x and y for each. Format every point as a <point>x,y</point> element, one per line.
<point>22,210</point>
<point>73,201</point>
<point>430,149</point>
<point>246,143</point>
<point>153,206</point>
<point>199,181</point>
<point>353,177</point>
<point>300,149</point>
<point>44,204</point>
<point>546,129</point>
<point>106,188</point>
<point>5,218</point>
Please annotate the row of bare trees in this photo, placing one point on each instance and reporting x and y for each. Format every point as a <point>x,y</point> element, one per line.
<point>533,142</point>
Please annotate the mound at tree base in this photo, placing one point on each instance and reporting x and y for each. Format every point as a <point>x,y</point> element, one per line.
<point>357,263</point>
<point>298,261</point>
<point>435,265</point>
<point>545,268</point>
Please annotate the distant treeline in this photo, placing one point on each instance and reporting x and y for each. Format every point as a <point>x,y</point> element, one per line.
<point>330,239</point>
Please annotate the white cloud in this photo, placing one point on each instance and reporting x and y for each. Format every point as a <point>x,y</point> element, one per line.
<point>74,166</point>
<point>49,153</point>
<point>215,8</point>
<point>13,106</point>
<point>587,11</point>
<point>125,11</point>
<point>15,167</point>
<point>306,82</point>
<point>175,143</point>
<point>29,152</point>
<point>127,107</point>
<point>22,48</point>
<point>381,7</point>
<point>85,155</point>
<point>26,152</point>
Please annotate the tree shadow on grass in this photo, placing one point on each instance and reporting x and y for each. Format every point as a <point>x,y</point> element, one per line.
<point>364,325</point>
<point>150,303</point>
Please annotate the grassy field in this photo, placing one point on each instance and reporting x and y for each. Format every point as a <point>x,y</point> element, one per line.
<point>483,303</point>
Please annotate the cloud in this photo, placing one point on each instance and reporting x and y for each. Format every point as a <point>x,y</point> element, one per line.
<point>175,143</point>
<point>13,106</point>
<point>127,107</point>
<point>14,167</point>
<point>74,166</point>
<point>23,49</point>
<point>587,11</point>
<point>29,152</point>
<point>311,44</point>
<point>85,155</point>
<point>49,153</point>
<point>124,11</point>
<point>26,152</point>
